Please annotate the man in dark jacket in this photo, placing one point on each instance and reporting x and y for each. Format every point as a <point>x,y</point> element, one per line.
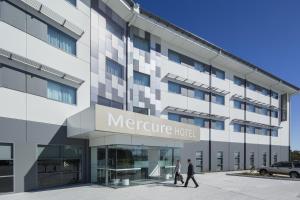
<point>190,174</point>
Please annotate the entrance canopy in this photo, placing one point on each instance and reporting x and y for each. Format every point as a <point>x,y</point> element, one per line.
<point>101,121</point>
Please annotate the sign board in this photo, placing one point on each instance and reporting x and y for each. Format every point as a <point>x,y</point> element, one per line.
<point>119,121</point>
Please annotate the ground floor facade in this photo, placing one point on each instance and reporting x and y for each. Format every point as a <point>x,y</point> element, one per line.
<point>38,155</point>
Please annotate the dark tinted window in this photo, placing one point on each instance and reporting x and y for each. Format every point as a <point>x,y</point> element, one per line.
<point>114,68</point>
<point>107,102</point>
<point>297,164</point>
<point>285,164</point>
<point>157,48</point>
<point>141,110</point>
<point>141,43</point>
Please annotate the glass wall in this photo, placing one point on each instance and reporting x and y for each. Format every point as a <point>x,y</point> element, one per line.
<point>59,165</point>
<point>6,168</point>
<point>125,165</point>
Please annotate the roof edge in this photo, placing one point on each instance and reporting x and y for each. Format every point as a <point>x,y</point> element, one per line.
<point>215,47</point>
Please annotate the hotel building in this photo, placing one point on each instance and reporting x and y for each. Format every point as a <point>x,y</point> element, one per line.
<point>105,92</point>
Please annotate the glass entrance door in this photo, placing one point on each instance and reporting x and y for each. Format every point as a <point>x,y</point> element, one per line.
<point>125,165</point>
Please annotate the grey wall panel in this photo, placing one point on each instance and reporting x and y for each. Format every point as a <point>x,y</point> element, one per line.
<point>26,136</point>
<point>13,79</point>
<point>36,86</point>
<point>12,130</point>
<point>37,28</point>
<point>234,148</point>
<point>216,147</point>
<point>189,151</point>
<point>252,148</point>
<point>25,169</point>
<point>13,16</point>
<point>0,68</point>
<point>284,153</point>
<point>263,149</point>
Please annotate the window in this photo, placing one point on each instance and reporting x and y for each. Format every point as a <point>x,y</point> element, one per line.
<point>204,123</point>
<point>238,81</point>
<point>251,86</point>
<point>238,104</point>
<point>59,165</point>
<point>199,94</point>
<point>114,68</point>
<point>251,159</point>
<point>274,113</point>
<point>297,164</point>
<point>265,159</point>
<point>186,119</point>
<point>174,117</point>
<point>275,158</point>
<point>218,99</point>
<point>174,56</point>
<point>274,133</point>
<point>220,161</point>
<point>144,111</point>
<point>285,165</point>
<point>199,161</point>
<point>199,122</point>
<point>110,103</point>
<point>265,131</point>
<point>218,73</point>
<point>236,164</point>
<point>141,43</point>
<point>218,125</point>
<point>61,40</point>
<point>157,48</point>
<point>238,128</point>
<point>274,95</point>
<point>201,67</point>
<point>283,107</point>
<point>60,92</point>
<point>141,79</point>
<point>174,87</point>
<point>264,111</point>
<point>73,2</point>
<point>6,168</point>
<point>250,129</point>
<point>250,108</point>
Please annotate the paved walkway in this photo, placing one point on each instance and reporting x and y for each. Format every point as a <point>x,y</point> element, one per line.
<point>213,186</point>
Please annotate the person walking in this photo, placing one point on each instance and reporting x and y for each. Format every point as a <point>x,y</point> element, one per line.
<point>178,175</point>
<point>190,174</point>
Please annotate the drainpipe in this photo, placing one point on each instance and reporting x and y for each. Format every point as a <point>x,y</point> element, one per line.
<point>245,118</point>
<point>210,105</point>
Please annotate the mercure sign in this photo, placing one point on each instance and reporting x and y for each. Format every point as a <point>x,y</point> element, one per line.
<point>119,121</point>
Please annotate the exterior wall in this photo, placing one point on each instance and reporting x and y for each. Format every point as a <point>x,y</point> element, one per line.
<point>27,117</point>
<point>107,41</point>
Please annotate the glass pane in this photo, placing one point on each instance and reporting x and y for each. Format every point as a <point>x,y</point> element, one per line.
<point>173,56</point>
<point>49,151</point>
<point>5,152</point>
<point>141,43</point>
<point>141,79</point>
<point>6,184</point>
<point>62,93</point>
<point>114,68</point>
<point>174,87</point>
<point>174,117</point>
<point>6,168</point>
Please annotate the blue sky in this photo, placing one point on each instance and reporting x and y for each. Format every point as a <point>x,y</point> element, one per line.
<point>265,33</point>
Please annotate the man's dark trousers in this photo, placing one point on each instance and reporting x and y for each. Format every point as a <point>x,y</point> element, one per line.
<point>190,175</point>
<point>188,179</point>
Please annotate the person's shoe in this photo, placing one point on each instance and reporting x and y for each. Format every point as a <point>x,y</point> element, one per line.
<point>185,186</point>
<point>196,186</point>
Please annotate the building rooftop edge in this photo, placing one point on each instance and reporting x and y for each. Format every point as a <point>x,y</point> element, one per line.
<point>213,46</point>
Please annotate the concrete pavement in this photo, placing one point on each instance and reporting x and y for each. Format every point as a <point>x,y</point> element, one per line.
<point>213,186</point>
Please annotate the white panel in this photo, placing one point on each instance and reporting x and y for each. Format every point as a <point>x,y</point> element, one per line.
<point>12,39</point>
<point>13,104</point>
